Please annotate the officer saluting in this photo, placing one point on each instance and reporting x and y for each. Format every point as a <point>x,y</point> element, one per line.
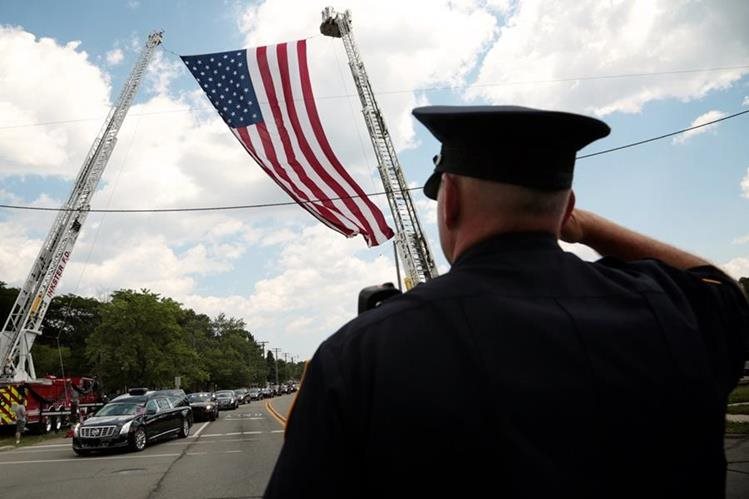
<point>524,371</point>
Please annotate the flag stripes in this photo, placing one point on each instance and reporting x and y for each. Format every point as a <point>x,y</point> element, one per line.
<point>284,135</point>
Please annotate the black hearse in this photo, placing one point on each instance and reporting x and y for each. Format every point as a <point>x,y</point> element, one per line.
<point>133,420</point>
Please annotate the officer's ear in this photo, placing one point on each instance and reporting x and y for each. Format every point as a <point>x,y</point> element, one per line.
<point>450,200</point>
<point>570,207</point>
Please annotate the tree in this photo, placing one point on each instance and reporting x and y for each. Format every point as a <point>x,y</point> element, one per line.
<point>7,299</point>
<point>230,353</point>
<point>70,320</point>
<point>139,342</point>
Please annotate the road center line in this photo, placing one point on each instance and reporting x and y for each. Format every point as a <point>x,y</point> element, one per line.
<point>195,435</point>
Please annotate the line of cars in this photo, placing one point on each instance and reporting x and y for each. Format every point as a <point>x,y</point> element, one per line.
<point>141,416</point>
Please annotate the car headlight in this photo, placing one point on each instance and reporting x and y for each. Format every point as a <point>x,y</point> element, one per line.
<point>208,407</point>
<point>125,428</point>
<point>75,429</point>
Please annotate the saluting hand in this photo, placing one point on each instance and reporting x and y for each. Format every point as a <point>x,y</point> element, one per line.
<point>572,229</point>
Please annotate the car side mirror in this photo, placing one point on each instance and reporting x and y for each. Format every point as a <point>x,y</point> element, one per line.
<point>150,412</point>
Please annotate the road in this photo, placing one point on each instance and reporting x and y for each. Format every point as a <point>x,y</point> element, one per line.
<point>230,457</point>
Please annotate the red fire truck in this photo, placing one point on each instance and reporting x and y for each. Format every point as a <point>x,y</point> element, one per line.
<point>51,402</point>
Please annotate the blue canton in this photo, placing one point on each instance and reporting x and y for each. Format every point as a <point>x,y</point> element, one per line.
<point>225,79</point>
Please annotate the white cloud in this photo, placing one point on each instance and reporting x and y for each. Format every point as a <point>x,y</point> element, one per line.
<point>66,86</point>
<point>162,71</point>
<point>404,45</point>
<point>746,101</point>
<point>115,56</point>
<point>741,240</point>
<point>547,40</point>
<point>312,292</point>
<point>737,267</point>
<point>700,120</point>
<point>745,184</point>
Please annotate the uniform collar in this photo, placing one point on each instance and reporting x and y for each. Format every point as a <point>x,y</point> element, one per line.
<point>511,242</point>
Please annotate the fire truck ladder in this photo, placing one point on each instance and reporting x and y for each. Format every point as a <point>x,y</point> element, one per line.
<point>25,320</point>
<point>411,244</point>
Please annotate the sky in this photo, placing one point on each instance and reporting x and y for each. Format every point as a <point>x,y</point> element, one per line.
<point>647,68</point>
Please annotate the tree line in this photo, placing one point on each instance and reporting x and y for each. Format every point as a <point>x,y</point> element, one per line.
<point>139,338</point>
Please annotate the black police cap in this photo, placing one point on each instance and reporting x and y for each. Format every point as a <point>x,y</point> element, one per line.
<point>515,145</point>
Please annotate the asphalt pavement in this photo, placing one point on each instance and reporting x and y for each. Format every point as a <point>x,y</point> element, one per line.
<point>230,457</point>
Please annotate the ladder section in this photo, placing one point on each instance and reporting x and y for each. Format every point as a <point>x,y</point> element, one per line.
<point>413,248</point>
<point>25,319</point>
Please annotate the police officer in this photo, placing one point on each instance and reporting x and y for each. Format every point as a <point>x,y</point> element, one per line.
<point>524,371</point>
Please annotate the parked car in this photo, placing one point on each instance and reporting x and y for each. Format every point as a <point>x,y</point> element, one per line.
<point>133,421</point>
<point>204,406</point>
<point>226,400</point>
<point>243,395</point>
<point>255,394</point>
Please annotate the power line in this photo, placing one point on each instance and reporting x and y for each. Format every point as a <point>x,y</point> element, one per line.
<point>422,89</point>
<point>633,144</point>
<point>380,193</point>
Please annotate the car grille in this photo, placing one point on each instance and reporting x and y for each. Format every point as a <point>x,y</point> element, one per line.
<point>97,431</point>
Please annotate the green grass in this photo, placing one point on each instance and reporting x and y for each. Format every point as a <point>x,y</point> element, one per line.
<point>740,394</point>
<point>734,428</point>
<point>9,437</point>
<point>738,409</point>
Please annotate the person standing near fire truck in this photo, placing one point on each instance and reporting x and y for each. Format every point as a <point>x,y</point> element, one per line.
<point>20,411</point>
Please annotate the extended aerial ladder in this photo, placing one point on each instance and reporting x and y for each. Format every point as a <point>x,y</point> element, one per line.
<point>25,320</point>
<point>412,246</point>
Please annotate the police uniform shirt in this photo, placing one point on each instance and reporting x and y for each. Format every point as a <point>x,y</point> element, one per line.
<point>524,372</point>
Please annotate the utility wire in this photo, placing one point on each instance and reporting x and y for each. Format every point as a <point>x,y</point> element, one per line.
<point>380,193</point>
<point>633,144</point>
<point>422,89</point>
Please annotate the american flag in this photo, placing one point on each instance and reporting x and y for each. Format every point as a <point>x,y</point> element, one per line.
<point>265,96</point>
